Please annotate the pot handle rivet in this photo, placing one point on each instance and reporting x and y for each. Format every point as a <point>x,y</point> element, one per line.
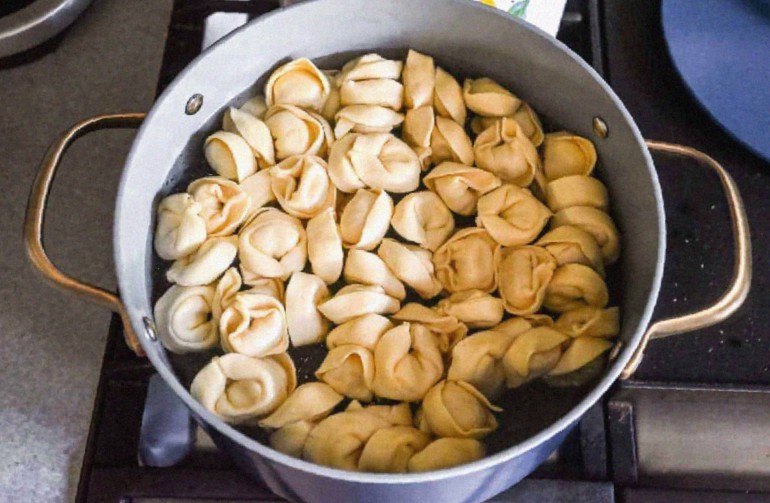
<point>600,127</point>
<point>149,329</point>
<point>194,104</point>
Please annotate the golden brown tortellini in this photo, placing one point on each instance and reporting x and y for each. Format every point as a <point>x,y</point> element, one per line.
<point>456,409</point>
<point>512,215</point>
<point>450,142</point>
<point>421,217</point>
<point>206,264</point>
<point>447,329</point>
<point>412,265</point>
<point>224,204</point>
<point>183,319</point>
<point>352,301</point>
<point>446,453</point>
<point>460,186</point>
<point>254,131</point>
<point>571,245</point>
<point>389,450</point>
<point>475,308</point>
<point>419,80</point>
<point>272,245</point>
<point>576,190</point>
<point>181,229</point>
<point>364,331</point>
<point>254,324</point>
<point>590,321</point>
<point>532,354</point>
<point>595,222</point>
<point>296,131</point>
<point>302,187</point>
<point>477,360</point>
<point>324,246</point>
<point>580,352</point>
<point>230,156</point>
<point>574,286</point>
<point>240,388</point>
<point>365,219</point>
<point>466,261</point>
<point>487,98</point>
<point>368,269</point>
<point>377,160</point>
<point>566,154</point>
<point>299,83</point>
<point>504,149</point>
<point>349,370</point>
<point>524,273</point>
<point>407,362</point>
<point>305,323</point>
<point>448,97</point>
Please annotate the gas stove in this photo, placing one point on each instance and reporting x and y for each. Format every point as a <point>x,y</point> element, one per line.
<point>694,423</point>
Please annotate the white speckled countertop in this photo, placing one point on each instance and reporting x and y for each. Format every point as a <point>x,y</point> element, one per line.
<point>51,345</point>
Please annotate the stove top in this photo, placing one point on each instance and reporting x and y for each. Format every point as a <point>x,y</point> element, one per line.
<point>692,426</point>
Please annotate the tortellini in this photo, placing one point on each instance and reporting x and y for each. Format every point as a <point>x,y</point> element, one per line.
<point>324,246</point>
<point>224,204</point>
<point>450,142</point>
<point>352,301</point>
<point>258,188</point>
<point>524,273</point>
<point>475,308</point>
<point>581,351</point>
<point>595,222</point>
<point>272,245</point>
<point>407,362</point>
<point>304,321</point>
<point>456,409</point>
<point>364,331</point>
<point>206,264</point>
<point>371,80</point>
<point>302,187</point>
<point>366,119</point>
<point>224,292</point>
<point>477,360</point>
<point>571,245</point>
<point>239,388</point>
<point>254,324</point>
<point>183,319</point>
<point>296,131</point>
<point>369,269</point>
<point>298,83</point>
<point>412,265</point>
<point>574,286</point>
<point>230,155</point>
<point>566,154</point>
<point>418,130</point>
<point>505,150</point>
<point>255,132</point>
<point>460,186</point>
<point>366,219</point>
<point>446,453</point>
<point>421,217</point>
<point>532,354</point>
<point>349,370</point>
<point>419,80</point>
<point>487,98</point>
<point>525,116</point>
<point>181,229</point>
<point>390,449</point>
<point>447,329</point>
<point>448,97</point>
<point>576,190</point>
<point>512,215</point>
<point>590,321</point>
<point>466,261</point>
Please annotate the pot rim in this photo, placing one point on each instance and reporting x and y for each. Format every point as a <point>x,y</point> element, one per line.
<point>208,420</point>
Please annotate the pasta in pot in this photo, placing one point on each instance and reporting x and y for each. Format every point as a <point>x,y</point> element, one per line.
<point>504,150</point>
<point>255,132</point>
<point>389,450</point>
<point>254,324</point>
<point>302,187</point>
<point>349,370</point>
<point>576,190</point>
<point>595,222</point>
<point>412,265</point>
<point>419,124</point>
<point>419,80</point>
<point>239,388</point>
<point>421,217</point>
<point>368,67</point>
<point>448,97</point>
<point>371,80</point>
<point>305,323</point>
<point>477,360</point>
<point>581,351</point>
<point>298,83</point>
<point>449,142</point>
<point>590,321</point>
<point>460,186</point>
<point>369,269</point>
<point>574,286</point>
<point>366,219</point>
<point>256,106</point>
<point>364,331</point>
<point>352,301</point>
<point>532,354</point>
<point>487,98</point>
<point>524,273</point>
<point>466,261</point>
<point>272,245</point>
<point>571,245</point>
<point>224,204</point>
<point>446,453</point>
<point>206,264</point>
<point>566,154</point>
<point>230,156</point>
<point>525,116</point>
<point>224,292</point>
<point>183,319</point>
<point>296,131</point>
<point>259,190</point>
<point>181,229</point>
<point>447,329</point>
<point>475,308</point>
<point>512,215</point>
<point>366,119</point>
<point>456,409</point>
<point>324,246</point>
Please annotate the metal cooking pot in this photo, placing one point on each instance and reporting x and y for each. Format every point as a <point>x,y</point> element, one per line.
<point>468,39</point>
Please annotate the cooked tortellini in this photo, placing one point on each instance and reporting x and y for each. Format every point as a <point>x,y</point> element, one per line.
<point>447,329</point>
<point>421,217</point>
<point>579,355</point>
<point>576,190</point>
<point>574,286</point>
<point>475,308</point>
<point>365,219</point>
<point>305,323</point>
<point>446,453</point>
<point>407,362</point>
<point>206,264</point>
<point>566,154</point>
<point>487,98</point>
<point>366,119</point>
<point>460,186</point>
<point>532,354</point>
<point>224,292</point>
<point>349,369</point>
<point>239,388</point>
<point>595,222</point>
<point>466,261</point>
<point>324,246</point>
<point>412,265</point>
<point>224,204</point>
<point>450,142</point>
<point>590,321</point>
<point>364,331</point>
<point>419,80</point>
<point>298,83</point>
<point>254,324</point>
<point>504,149</point>
<point>477,360</point>
<point>368,269</point>
<point>524,273</point>
<point>255,132</point>
<point>525,116</point>
<point>456,409</point>
<point>230,155</point>
<point>183,319</point>
<point>417,130</point>
<point>377,160</point>
<point>371,80</point>
<point>571,245</point>
<point>296,131</point>
<point>512,215</point>
<point>352,301</point>
<point>390,449</point>
<point>272,245</point>
<point>302,187</point>
<point>181,229</point>
<point>448,97</point>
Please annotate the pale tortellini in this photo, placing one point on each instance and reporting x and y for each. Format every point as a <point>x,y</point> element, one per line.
<point>456,409</point>
<point>352,301</point>
<point>450,142</point>
<point>532,354</point>
<point>377,160</point>
<point>368,269</point>
<point>505,150</point>
<point>512,215</point>
<point>240,389</point>
<point>418,130</point>
<point>487,98</point>
<point>224,204</point>
<point>412,265</point>
<point>298,83</point>
<point>590,321</point>
<point>447,329</point>
<point>524,273</point>
<point>419,80</point>
<point>365,219</point>
<point>230,155</point>
<point>366,119</point>
<point>460,186</point>
<point>390,449</point>
<point>183,319</point>
<point>302,187</point>
<point>407,362</point>
<point>349,370</point>
<point>421,217</point>
<point>446,453</point>
<point>467,261</point>
<point>254,324</point>
<point>571,245</point>
<point>181,229</point>
<point>206,264</point>
<point>475,308</point>
<point>371,80</point>
<point>448,97</point>
<point>566,154</point>
<point>296,131</point>
<point>255,132</point>
<point>305,323</point>
<point>324,246</point>
<point>595,222</point>
<point>258,188</point>
<point>574,286</point>
<point>525,116</point>
<point>364,331</point>
<point>224,292</point>
<point>272,245</point>
<point>576,190</point>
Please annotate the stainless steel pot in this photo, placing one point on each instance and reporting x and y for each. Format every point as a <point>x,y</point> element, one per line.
<point>469,39</point>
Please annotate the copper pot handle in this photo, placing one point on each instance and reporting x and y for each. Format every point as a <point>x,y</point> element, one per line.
<point>740,283</point>
<point>36,205</point>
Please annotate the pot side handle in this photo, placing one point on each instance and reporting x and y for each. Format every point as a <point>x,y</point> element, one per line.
<point>740,283</point>
<point>35,216</point>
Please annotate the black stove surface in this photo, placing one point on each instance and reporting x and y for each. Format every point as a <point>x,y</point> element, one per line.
<point>618,453</point>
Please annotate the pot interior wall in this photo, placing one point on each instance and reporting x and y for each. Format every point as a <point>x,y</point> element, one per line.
<point>168,153</point>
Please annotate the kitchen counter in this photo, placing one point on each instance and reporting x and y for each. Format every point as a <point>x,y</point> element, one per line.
<point>52,344</point>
